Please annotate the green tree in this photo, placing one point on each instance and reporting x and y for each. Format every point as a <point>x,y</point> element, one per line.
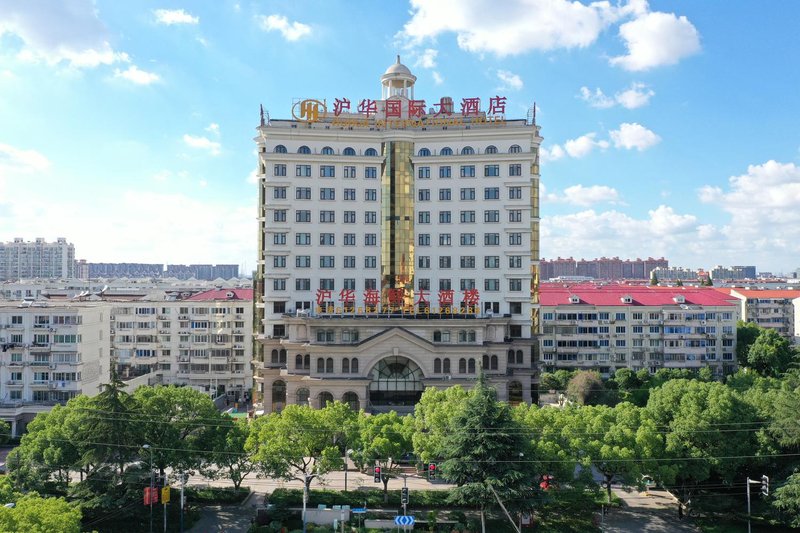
<point>384,439</point>
<point>679,283</point>
<point>746,335</point>
<point>784,406</point>
<point>586,388</point>
<point>787,500</point>
<point>486,453</point>
<point>556,381</point>
<point>653,278</point>
<point>34,514</point>
<point>770,354</point>
<point>434,416</point>
<point>228,458</point>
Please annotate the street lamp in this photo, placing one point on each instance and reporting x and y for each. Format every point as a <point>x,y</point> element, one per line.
<point>152,483</point>
<point>346,457</point>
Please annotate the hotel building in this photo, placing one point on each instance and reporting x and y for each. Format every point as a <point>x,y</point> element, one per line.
<point>398,249</point>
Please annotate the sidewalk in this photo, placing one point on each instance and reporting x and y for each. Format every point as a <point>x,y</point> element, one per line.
<point>655,512</point>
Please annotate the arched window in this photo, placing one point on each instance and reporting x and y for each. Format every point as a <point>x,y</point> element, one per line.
<point>349,151</point>
<point>282,357</point>
<point>280,149</point>
<point>351,399</point>
<point>446,151</point>
<point>491,149</point>
<point>471,366</point>
<point>327,150</point>
<point>462,366</point>
<point>437,366</point>
<point>307,362</point>
<point>354,365</point>
<point>278,395</point>
<point>515,393</point>
<point>515,149</point>
<point>302,396</point>
<point>493,363</point>
<point>298,362</point>
<point>320,366</point>
<point>511,359</point>
<point>274,357</point>
<point>345,366</point>
<point>325,398</point>
<point>519,357</point>
<point>486,362</point>
<point>371,152</point>
<point>467,150</point>
<point>304,150</point>
<point>329,365</point>
<point>424,152</point>
<point>446,365</point>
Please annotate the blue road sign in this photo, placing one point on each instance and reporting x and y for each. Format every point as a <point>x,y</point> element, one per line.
<point>404,520</point>
<point>358,510</point>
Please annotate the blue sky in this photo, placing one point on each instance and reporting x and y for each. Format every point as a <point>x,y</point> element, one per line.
<point>670,127</point>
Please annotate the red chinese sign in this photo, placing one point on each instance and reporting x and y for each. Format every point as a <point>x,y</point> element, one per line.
<point>398,299</point>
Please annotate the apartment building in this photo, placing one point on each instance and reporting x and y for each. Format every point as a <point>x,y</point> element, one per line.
<point>21,259</point>
<point>770,308</point>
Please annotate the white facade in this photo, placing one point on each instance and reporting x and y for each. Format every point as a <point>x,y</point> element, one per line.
<point>772,309</point>
<point>412,206</point>
<point>49,354</point>
<point>36,259</point>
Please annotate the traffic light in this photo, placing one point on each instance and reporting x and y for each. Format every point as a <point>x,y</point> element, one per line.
<point>404,496</point>
<point>432,471</point>
<point>764,486</point>
<point>377,474</point>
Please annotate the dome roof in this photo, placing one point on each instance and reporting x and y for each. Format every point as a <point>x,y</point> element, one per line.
<point>398,68</point>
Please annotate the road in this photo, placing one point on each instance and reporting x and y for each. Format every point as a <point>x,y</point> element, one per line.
<point>655,512</point>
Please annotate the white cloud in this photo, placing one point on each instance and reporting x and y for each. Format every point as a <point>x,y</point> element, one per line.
<point>59,32</point>
<point>202,143</point>
<point>427,59</point>
<point>213,128</point>
<point>630,136</point>
<point>437,78</point>
<point>585,196</point>
<point>510,80</point>
<point>252,177</point>
<point>637,95</point>
<point>136,75</point>
<point>553,153</point>
<point>291,31</point>
<point>656,39</point>
<point>583,145</point>
<point>174,16</point>
<point>19,161</point>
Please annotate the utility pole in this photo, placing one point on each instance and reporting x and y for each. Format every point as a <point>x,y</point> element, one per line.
<point>764,482</point>
<point>152,482</point>
<point>183,501</point>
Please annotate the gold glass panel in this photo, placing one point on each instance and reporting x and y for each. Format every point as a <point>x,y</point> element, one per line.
<point>397,219</point>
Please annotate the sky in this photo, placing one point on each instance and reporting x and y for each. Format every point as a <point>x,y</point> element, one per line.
<point>670,128</point>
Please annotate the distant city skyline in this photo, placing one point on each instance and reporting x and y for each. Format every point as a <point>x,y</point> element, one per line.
<point>127,127</point>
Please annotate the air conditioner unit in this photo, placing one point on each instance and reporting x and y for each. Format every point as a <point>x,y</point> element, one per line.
<point>52,366</point>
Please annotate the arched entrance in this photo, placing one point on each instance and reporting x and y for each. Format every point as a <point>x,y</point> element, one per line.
<point>278,395</point>
<point>325,398</point>
<point>396,381</point>
<point>514,393</point>
<point>351,399</point>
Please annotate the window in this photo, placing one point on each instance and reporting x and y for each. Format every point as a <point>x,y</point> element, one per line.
<point>444,239</point>
<point>327,216</point>
<point>371,173</point>
<point>446,151</point>
<point>327,239</point>
<point>326,284</point>
<point>371,239</point>
<point>444,217</point>
<point>468,261</point>
<point>371,195</point>
<point>467,150</point>
<point>370,261</point>
<point>327,193</point>
<point>303,239</point>
<point>515,261</point>
<point>424,152</point>
<point>279,149</point>
<point>515,239</point>
<point>304,150</point>
<point>279,284</point>
<point>515,170</point>
<point>444,194</point>
<point>327,150</point>
<point>515,193</point>
<point>349,239</point>
<point>303,171</point>
<point>350,194</point>
<point>371,152</point>
<point>467,239</point>
<point>349,217</point>
<point>279,261</point>
<point>349,283</point>
<point>441,336</point>
<point>467,217</point>
<point>467,171</point>
<point>326,261</point>
<point>491,261</point>
<point>467,335</point>
<point>445,285</point>
<point>491,193</point>
<point>302,284</point>
<point>349,261</point>
<point>279,170</point>
<point>424,217</point>
<point>491,215</point>
<point>515,215</point>
<point>371,217</point>
<point>444,172</point>
<point>515,285</point>
<point>302,261</point>
<point>515,149</point>
<point>348,151</point>
<point>491,239</point>
<point>370,284</point>
<point>279,215</point>
<point>467,283</point>
<point>327,171</point>
<point>444,261</point>
<point>424,195</point>
<point>515,308</point>
<point>349,172</point>
<point>302,193</point>
<point>302,215</point>
<point>491,284</point>
<point>491,171</point>
<point>424,284</point>
<point>423,261</point>
<point>424,173</point>
<point>424,239</point>
<point>279,238</point>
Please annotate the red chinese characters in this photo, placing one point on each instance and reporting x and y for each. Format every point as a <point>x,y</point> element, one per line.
<point>416,108</point>
<point>347,296</point>
<point>368,107</point>
<point>372,297</point>
<point>421,297</point>
<point>323,295</point>
<point>446,297</point>
<point>470,106</point>
<point>445,107</point>
<point>471,297</point>
<point>394,108</point>
<point>396,296</point>
<point>340,105</point>
<point>497,105</point>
